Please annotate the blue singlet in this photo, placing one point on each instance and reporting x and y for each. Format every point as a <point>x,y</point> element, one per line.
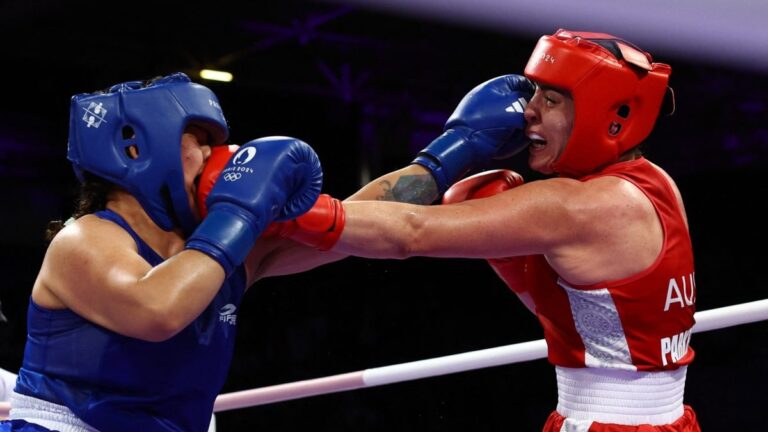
<point>117,383</point>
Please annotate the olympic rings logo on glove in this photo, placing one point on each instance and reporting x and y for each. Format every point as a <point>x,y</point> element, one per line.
<point>230,176</point>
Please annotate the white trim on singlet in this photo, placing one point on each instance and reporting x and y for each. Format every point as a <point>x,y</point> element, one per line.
<point>620,396</point>
<point>46,414</point>
<point>599,326</point>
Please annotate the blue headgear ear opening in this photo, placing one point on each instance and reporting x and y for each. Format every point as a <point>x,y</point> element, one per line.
<point>131,135</point>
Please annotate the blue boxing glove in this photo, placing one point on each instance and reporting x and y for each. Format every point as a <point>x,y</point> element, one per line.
<point>487,124</point>
<point>268,179</point>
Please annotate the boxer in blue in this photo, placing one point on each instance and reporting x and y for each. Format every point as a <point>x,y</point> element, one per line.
<point>132,317</point>
<point>126,313</point>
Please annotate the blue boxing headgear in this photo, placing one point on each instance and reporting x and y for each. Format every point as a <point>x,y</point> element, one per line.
<point>151,118</point>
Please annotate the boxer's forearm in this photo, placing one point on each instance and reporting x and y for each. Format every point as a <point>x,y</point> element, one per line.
<point>412,184</point>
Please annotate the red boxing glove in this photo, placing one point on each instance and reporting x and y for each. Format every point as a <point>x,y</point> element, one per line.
<point>320,227</point>
<point>216,162</point>
<point>482,185</point>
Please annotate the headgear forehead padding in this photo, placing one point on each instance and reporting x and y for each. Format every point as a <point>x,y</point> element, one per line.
<point>617,93</point>
<point>108,129</point>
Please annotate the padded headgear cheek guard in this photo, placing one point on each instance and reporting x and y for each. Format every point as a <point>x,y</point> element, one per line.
<point>151,119</point>
<point>617,94</point>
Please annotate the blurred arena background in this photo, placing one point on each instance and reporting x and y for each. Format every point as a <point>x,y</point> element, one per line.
<point>368,84</point>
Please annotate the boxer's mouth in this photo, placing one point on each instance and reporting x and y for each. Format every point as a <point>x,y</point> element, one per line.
<point>537,141</point>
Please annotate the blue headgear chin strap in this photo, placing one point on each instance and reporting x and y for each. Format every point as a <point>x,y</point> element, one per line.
<point>151,118</point>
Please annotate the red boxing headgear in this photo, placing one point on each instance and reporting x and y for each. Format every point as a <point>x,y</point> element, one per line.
<point>216,163</point>
<point>617,94</point>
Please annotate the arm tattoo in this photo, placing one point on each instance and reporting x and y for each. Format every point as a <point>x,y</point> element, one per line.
<point>414,189</point>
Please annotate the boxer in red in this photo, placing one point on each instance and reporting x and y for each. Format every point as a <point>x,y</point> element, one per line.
<point>600,252</point>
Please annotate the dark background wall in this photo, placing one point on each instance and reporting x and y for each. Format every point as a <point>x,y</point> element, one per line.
<point>368,89</point>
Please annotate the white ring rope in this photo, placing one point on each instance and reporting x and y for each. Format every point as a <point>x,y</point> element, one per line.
<point>728,316</point>
<point>705,320</point>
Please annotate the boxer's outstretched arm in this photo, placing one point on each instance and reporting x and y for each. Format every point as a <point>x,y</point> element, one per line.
<point>276,256</point>
<point>530,219</point>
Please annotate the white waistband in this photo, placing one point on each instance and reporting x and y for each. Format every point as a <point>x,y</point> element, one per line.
<point>620,396</point>
<point>49,415</point>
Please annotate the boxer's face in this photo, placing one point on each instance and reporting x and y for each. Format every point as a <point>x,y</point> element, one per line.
<point>549,118</point>
<point>195,150</point>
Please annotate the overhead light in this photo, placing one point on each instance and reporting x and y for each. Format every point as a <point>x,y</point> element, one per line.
<point>215,75</point>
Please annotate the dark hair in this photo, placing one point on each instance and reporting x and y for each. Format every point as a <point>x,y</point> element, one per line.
<point>92,197</point>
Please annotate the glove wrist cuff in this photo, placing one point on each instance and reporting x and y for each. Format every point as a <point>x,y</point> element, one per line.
<point>448,157</point>
<point>227,235</point>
